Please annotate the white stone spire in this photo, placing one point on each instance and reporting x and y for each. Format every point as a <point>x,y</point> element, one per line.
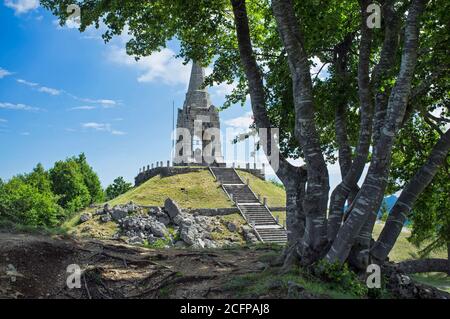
<point>196,96</point>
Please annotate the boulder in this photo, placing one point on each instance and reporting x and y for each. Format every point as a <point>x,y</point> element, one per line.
<point>198,243</point>
<point>158,229</point>
<point>85,217</point>
<point>232,227</point>
<point>189,235</point>
<point>249,235</point>
<point>172,208</point>
<point>136,240</point>
<point>118,213</point>
<point>180,244</point>
<point>161,217</point>
<point>106,208</point>
<point>105,218</point>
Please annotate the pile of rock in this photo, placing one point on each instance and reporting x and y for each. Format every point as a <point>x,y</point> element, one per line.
<point>139,228</point>
<point>171,224</point>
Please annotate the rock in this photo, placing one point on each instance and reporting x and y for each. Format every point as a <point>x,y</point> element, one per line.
<point>198,243</point>
<point>294,290</point>
<point>85,217</point>
<point>162,217</point>
<point>107,208</point>
<point>105,218</point>
<point>232,227</point>
<point>180,244</point>
<point>158,229</point>
<point>189,235</point>
<point>209,243</point>
<point>118,213</point>
<point>249,235</point>
<point>136,240</point>
<point>172,208</point>
<point>12,273</point>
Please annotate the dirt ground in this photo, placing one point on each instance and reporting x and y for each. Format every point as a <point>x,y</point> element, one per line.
<point>35,266</point>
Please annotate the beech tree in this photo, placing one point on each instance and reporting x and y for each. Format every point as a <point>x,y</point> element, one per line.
<point>379,81</point>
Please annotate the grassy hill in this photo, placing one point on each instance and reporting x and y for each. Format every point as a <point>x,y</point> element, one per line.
<point>195,190</point>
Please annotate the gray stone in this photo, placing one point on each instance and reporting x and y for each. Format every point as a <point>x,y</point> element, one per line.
<point>158,229</point>
<point>85,217</point>
<point>136,240</point>
<point>180,244</point>
<point>249,235</point>
<point>117,213</point>
<point>198,243</point>
<point>172,208</point>
<point>105,218</point>
<point>162,217</point>
<point>232,227</point>
<point>107,208</point>
<point>189,235</point>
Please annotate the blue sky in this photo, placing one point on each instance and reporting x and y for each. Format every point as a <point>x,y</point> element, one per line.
<point>63,92</point>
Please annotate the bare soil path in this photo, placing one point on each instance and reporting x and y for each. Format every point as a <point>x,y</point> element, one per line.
<point>35,266</point>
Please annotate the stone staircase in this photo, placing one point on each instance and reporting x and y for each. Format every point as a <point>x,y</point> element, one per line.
<point>255,213</point>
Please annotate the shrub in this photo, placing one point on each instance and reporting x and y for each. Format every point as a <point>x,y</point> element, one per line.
<point>117,188</point>
<point>68,183</point>
<point>25,204</point>
<point>342,277</point>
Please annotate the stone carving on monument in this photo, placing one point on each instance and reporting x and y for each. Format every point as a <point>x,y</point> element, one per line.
<point>198,139</point>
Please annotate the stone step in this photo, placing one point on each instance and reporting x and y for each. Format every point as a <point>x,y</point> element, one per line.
<point>257,215</point>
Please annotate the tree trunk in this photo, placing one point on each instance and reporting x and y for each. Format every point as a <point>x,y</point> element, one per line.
<point>293,178</point>
<point>402,208</point>
<point>370,196</point>
<point>423,265</point>
<point>316,196</point>
<point>295,217</point>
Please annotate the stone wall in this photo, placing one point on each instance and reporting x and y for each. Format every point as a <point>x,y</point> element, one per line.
<point>164,171</point>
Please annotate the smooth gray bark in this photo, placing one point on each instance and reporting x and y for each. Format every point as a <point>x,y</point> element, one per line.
<point>341,192</point>
<point>292,177</point>
<point>402,208</point>
<point>369,198</point>
<point>316,195</point>
<point>340,118</point>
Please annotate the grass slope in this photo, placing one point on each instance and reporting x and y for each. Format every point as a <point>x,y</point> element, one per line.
<point>276,196</point>
<point>196,190</point>
<point>190,190</point>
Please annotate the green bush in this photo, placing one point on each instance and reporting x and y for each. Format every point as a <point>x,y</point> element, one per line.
<point>68,183</point>
<point>117,188</point>
<point>342,277</point>
<point>90,179</point>
<point>25,204</point>
<point>44,198</point>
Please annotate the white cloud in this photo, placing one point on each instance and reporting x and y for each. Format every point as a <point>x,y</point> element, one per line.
<point>48,90</point>
<point>243,122</point>
<point>4,73</point>
<point>161,66</point>
<point>18,107</point>
<point>115,132</point>
<point>25,134</point>
<point>97,126</point>
<point>83,108</point>
<point>22,6</point>
<point>105,103</point>
<point>3,121</point>
<point>22,81</point>
<point>101,127</point>
<point>43,89</point>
